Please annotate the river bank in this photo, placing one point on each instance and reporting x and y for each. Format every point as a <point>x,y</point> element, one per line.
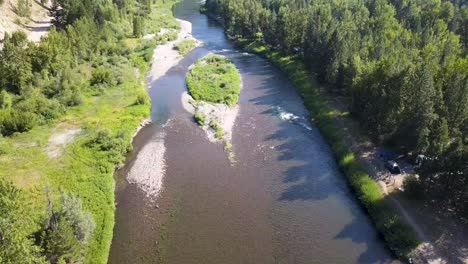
<point>68,154</point>
<point>400,237</point>
<point>358,165</point>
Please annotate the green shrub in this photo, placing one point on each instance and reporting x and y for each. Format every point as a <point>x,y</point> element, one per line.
<point>185,46</point>
<point>114,146</point>
<point>16,226</point>
<point>45,109</point>
<point>70,98</point>
<point>6,100</point>
<point>215,79</point>
<point>67,230</point>
<point>138,26</point>
<point>12,121</point>
<point>101,76</point>
<point>81,220</point>
<point>219,133</point>
<point>200,119</point>
<point>142,98</point>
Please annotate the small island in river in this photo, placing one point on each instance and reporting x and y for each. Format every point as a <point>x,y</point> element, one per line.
<point>214,85</point>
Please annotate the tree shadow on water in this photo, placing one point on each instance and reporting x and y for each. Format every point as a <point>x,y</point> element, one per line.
<point>316,177</point>
<point>310,172</point>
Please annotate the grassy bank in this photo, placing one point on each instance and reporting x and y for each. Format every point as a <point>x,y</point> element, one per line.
<point>214,79</point>
<point>400,238</point>
<point>106,120</point>
<point>184,47</point>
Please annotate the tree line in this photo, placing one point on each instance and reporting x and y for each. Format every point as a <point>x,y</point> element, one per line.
<point>402,66</point>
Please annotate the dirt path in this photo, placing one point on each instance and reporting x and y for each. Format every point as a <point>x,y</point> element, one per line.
<point>35,27</point>
<point>444,238</point>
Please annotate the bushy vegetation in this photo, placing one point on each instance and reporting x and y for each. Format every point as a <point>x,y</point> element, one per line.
<point>142,99</point>
<point>400,65</point>
<point>87,73</point>
<point>200,119</point>
<point>184,47</point>
<point>56,232</point>
<point>214,79</point>
<point>219,133</point>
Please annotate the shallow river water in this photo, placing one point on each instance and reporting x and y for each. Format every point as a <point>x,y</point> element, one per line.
<point>283,201</point>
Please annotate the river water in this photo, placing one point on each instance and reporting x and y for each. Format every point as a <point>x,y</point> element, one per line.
<point>283,201</point>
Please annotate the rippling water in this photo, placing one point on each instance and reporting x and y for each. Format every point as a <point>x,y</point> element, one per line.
<point>283,201</point>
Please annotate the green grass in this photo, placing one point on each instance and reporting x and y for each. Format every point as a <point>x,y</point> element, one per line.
<point>84,170</point>
<point>161,17</point>
<point>214,79</point>
<point>184,47</point>
<point>400,237</point>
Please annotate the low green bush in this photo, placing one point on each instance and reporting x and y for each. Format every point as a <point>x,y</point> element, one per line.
<point>184,47</point>
<point>6,99</point>
<point>12,121</point>
<point>45,109</point>
<point>101,76</point>
<point>142,98</point>
<point>200,119</point>
<point>214,79</point>
<point>219,133</point>
<point>114,146</point>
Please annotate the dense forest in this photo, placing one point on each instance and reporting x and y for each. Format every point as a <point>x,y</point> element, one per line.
<point>402,66</point>
<point>92,49</point>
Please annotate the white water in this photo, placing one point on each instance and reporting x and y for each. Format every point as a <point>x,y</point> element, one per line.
<point>292,118</point>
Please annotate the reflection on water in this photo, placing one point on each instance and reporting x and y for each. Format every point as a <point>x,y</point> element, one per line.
<point>284,201</point>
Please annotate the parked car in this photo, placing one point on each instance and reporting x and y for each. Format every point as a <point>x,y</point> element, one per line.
<point>393,167</point>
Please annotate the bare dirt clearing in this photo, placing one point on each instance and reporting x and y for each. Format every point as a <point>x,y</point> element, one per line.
<point>60,139</point>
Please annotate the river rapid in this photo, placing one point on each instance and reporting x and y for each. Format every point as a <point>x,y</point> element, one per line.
<point>284,200</point>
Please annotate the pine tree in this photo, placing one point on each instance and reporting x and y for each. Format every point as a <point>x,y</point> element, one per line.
<point>138,26</point>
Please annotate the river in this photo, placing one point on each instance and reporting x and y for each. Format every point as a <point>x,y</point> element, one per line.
<point>284,200</point>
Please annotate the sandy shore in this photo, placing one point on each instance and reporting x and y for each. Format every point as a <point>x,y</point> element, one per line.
<point>148,170</point>
<point>165,56</point>
<point>149,167</point>
<point>222,114</point>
